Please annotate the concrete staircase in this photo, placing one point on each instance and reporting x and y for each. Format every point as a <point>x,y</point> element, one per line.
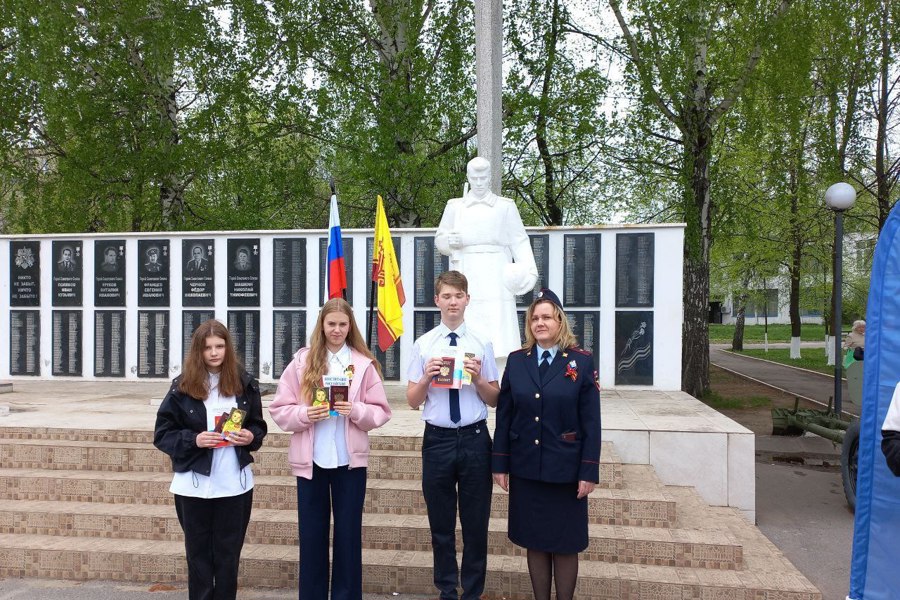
<point>94,504</point>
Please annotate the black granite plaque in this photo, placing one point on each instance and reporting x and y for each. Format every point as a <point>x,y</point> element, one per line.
<point>585,327</point>
<point>389,360</point>
<point>424,321</point>
<point>581,266</point>
<point>370,243</point>
<point>634,269</point>
<point>347,244</point>
<point>244,328</point>
<point>243,273</point>
<point>153,343</point>
<point>288,335</point>
<point>24,342</point>
<point>67,273</point>
<point>429,264</point>
<point>288,272</point>
<point>109,273</point>
<point>634,348</point>
<point>67,342</point>
<point>540,247</point>
<point>198,276</point>
<point>109,343</point>
<point>153,274</point>
<point>24,273</point>
<point>191,320</point>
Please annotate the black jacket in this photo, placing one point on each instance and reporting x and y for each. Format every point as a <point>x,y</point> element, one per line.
<point>180,418</point>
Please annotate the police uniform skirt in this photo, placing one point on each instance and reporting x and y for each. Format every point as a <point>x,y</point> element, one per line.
<point>547,517</point>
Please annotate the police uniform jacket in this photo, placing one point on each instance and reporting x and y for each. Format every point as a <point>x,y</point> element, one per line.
<point>548,431</point>
<point>180,418</point>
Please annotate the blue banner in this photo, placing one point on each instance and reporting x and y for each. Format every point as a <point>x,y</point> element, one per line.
<point>874,572</point>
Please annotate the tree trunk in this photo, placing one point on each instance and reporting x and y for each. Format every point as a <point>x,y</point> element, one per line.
<point>883,186</point>
<point>698,238</point>
<point>737,340</point>
<point>553,214</point>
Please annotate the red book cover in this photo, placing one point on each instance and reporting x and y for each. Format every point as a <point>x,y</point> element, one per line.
<point>444,379</point>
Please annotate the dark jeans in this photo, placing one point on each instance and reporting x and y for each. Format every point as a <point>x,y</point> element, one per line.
<point>456,470</point>
<point>342,490</point>
<point>214,530</point>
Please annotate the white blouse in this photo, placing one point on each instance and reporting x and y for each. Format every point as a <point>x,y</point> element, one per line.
<point>329,437</point>
<point>226,478</point>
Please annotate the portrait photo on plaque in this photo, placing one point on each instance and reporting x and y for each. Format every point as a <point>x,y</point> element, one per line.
<point>67,273</point>
<point>153,272</point>
<point>243,272</point>
<point>24,273</point>
<point>198,281</point>
<point>634,348</point>
<point>109,272</point>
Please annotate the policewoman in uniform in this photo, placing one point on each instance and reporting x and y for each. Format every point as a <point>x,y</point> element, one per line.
<point>547,446</point>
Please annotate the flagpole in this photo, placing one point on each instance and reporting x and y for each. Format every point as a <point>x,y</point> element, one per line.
<point>372,283</point>
<point>334,194</point>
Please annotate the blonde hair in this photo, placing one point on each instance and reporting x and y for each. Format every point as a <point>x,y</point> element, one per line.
<point>317,358</point>
<point>564,339</point>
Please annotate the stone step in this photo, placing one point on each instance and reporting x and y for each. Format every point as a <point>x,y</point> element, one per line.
<point>389,571</point>
<point>610,543</point>
<point>119,456</point>
<point>645,505</point>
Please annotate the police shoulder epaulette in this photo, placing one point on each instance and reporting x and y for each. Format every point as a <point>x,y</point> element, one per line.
<point>580,351</point>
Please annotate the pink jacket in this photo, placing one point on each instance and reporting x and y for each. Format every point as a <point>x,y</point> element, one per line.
<point>370,410</point>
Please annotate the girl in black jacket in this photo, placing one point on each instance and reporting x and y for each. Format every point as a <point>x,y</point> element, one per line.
<point>213,481</point>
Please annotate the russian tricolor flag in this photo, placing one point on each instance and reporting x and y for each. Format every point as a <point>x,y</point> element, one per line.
<point>336,272</point>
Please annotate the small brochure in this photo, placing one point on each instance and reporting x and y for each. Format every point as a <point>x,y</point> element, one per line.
<point>338,391</point>
<point>229,422</point>
<point>453,373</point>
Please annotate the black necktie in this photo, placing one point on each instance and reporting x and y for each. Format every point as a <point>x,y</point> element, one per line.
<point>454,394</point>
<point>545,364</point>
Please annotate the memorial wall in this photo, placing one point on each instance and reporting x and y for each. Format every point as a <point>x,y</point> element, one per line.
<point>124,305</point>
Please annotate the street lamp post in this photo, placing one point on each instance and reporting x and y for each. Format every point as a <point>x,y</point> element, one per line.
<point>839,197</point>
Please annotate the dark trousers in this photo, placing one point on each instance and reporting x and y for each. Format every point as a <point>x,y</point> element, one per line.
<point>456,470</point>
<point>214,530</point>
<point>343,491</point>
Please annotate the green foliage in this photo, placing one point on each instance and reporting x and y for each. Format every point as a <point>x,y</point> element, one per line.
<point>717,401</point>
<point>813,359</point>
<point>755,334</point>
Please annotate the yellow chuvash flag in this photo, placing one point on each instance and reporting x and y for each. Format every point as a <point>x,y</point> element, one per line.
<point>386,274</point>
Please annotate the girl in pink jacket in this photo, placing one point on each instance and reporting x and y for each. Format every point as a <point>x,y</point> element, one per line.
<point>329,448</point>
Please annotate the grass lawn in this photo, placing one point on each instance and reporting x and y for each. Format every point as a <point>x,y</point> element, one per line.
<point>812,358</point>
<point>723,334</point>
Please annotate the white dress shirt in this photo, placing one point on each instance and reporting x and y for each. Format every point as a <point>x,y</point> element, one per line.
<point>437,400</point>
